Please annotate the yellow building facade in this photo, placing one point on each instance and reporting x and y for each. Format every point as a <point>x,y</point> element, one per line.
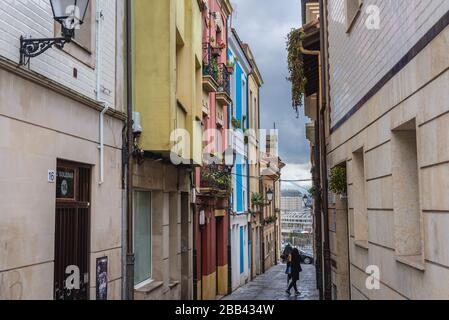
<point>167,98</point>
<point>168,73</point>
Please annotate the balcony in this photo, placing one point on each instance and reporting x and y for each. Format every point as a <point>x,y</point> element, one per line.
<point>310,132</point>
<point>223,96</point>
<point>215,180</point>
<point>210,78</point>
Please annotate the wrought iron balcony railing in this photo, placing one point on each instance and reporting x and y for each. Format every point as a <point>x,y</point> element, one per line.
<point>212,70</point>
<point>224,80</point>
<point>216,178</point>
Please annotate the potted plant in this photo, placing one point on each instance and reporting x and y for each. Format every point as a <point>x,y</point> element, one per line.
<point>216,51</point>
<point>257,200</point>
<point>337,181</point>
<point>221,44</point>
<point>236,123</point>
<point>230,66</point>
<point>214,68</point>
<point>270,220</point>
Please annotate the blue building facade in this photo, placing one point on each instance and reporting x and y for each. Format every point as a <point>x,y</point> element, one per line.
<point>238,117</point>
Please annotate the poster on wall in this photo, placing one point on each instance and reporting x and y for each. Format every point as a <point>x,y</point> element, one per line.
<point>65,184</point>
<point>102,278</point>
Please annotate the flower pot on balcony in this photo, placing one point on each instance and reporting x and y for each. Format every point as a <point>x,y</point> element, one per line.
<point>216,51</point>
<point>230,69</point>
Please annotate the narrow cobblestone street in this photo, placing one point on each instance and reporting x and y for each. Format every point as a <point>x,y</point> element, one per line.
<point>272,285</point>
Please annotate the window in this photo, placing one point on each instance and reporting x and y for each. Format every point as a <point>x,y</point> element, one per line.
<point>242,248</point>
<point>359,196</point>
<point>256,112</point>
<point>251,109</point>
<point>407,211</point>
<point>243,115</point>
<point>352,12</point>
<point>142,236</point>
<point>83,45</point>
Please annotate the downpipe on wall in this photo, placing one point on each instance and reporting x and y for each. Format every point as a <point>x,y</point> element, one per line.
<point>99,20</point>
<point>130,258</point>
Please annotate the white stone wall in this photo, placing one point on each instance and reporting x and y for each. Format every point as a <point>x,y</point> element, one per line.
<point>34,18</point>
<point>360,58</point>
<point>419,91</point>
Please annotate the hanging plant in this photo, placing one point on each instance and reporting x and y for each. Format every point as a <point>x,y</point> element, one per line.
<point>296,68</point>
<point>337,181</point>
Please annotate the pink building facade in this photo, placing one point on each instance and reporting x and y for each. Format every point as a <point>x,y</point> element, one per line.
<point>213,180</point>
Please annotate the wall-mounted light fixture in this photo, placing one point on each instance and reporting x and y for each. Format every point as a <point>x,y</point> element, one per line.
<point>202,218</point>
<point>70,14</point>
<point>270,196</point>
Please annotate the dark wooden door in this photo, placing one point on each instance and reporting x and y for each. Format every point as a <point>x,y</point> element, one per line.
<point>72,229</point>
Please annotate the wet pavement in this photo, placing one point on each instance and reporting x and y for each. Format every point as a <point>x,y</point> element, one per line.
<point>272,286</point>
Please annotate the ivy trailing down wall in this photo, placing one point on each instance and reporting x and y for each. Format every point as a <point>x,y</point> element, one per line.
<point>296,68</point>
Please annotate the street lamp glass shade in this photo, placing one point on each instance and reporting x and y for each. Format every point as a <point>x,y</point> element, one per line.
<point>70,13</point>
<point>270,195</point>
<point>202,218</point>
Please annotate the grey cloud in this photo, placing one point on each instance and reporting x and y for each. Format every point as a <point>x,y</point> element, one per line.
<point>264,25</point>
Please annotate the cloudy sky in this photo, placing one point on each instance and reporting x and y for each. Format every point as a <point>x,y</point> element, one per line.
<point>264,25</point>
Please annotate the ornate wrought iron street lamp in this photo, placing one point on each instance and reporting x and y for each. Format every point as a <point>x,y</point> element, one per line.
<point>70,14</point>
<point>270,196</point>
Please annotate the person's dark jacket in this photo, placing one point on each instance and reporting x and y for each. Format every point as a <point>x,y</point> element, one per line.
<point>296,268</point>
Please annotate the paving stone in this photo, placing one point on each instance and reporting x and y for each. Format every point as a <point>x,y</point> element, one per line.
<point>272,286</point>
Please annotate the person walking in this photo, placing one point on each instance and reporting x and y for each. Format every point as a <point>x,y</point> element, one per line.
<point>295,270</point>
<point>286,258</point>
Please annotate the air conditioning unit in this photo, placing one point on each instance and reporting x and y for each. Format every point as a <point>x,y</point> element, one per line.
<point>137,127</point>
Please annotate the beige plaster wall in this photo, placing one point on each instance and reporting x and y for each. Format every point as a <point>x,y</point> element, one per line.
<point>37,127</point>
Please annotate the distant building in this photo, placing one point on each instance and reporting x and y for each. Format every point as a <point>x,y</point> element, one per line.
<point>297,222</point>
<point>292,200</point>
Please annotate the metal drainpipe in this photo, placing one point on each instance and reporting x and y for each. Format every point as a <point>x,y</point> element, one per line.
<point>326,249</point>
<point>229,253</point>
<point>317,208</point>
<point>275,231</point>
<point>101,147</point>
<point>323,167</point>
<point>98,19</point>
<point>262,232</point>
<point>195,243</point>
<point>130,144</point>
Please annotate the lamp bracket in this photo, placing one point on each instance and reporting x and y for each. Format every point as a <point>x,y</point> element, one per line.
<point>31,48</point>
